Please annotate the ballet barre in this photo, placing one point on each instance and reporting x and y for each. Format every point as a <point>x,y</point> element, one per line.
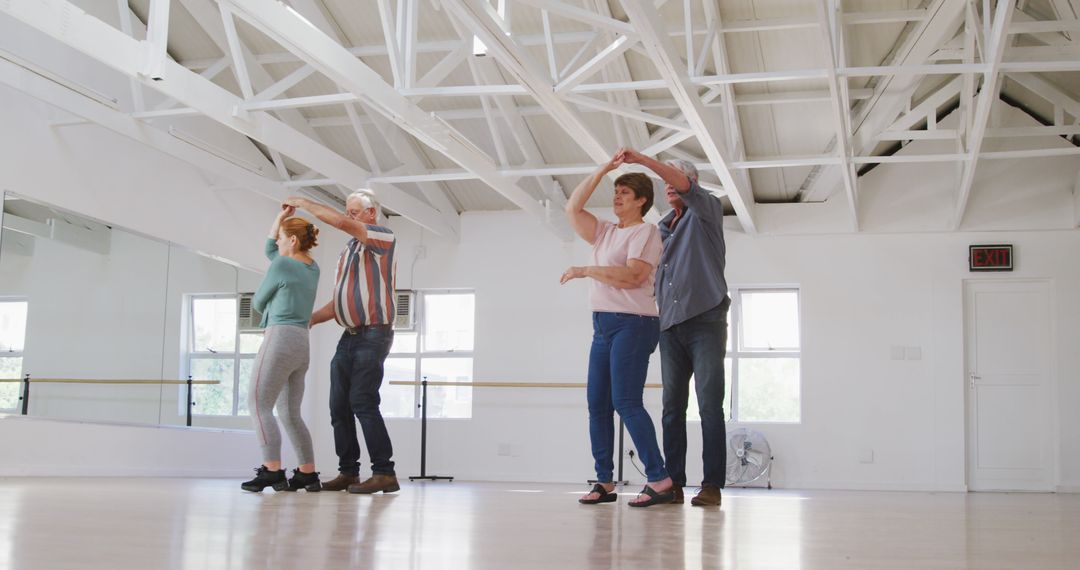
<point>423,415</point>
<point>26,380</point>
<point>502,384</point>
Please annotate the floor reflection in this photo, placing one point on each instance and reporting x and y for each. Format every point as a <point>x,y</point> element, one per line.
<point>188,524</point>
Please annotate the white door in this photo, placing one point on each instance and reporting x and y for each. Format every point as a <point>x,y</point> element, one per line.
<point>1011,443</point>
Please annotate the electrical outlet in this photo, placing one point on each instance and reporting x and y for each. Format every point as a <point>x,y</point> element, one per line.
<point>505,450</point>
<point>897,353</point>
<point>866,455</point>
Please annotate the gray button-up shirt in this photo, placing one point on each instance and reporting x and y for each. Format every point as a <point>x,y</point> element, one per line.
<point>690,277</point>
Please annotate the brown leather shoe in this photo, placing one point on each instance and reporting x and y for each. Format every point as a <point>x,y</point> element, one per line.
<point>708,496</point>
<point>678,496</point>
<point>377,482</point>
<point>340,483</point>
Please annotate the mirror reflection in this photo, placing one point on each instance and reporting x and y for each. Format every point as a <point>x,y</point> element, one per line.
<point>109,324</point>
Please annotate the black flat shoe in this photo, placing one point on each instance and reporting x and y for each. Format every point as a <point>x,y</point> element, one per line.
<point>266,478</point>
<point>306,481</point>
<point>655,498</point>
<point>605,496</point>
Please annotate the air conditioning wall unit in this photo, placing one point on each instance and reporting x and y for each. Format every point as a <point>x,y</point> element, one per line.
<point>247,318</point>
<point>404,310</point>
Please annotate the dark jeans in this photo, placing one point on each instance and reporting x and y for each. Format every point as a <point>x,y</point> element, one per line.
<point>695,347</point>
<point>618,365</point>
<point>356,373</point>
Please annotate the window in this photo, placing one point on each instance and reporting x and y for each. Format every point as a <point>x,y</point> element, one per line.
<point>216,350</point>
<point>763,357</point>
<point>439,350</point>
<point>12,340</point>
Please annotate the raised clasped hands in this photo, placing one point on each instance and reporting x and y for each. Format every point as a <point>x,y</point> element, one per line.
<point>628,155</point>
<point>293,201</point>
<point>615,162</point>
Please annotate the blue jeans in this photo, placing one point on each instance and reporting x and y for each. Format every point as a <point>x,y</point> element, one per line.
<point>356,374</point>
<point>618,365</point>
<point>695,347</point>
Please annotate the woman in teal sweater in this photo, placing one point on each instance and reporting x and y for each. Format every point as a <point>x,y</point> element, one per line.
<point>285,298</point>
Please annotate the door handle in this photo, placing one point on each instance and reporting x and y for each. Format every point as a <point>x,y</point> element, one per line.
<point>974,377</point>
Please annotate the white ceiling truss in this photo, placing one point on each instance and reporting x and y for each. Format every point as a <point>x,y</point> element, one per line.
<point>560,86</point>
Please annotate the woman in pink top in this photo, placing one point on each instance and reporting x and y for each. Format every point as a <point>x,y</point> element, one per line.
<point>625,328</point>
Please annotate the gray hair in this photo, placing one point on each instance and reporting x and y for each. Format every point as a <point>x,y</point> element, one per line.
<point>367,199</point>
<point>684,166</point>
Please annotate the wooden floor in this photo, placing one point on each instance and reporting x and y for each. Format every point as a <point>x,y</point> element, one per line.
<point>195,524</point>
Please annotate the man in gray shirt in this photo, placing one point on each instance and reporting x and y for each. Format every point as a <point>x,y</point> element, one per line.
<point>692,295</point>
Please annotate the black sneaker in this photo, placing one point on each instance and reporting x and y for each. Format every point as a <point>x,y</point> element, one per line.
<point>266,478</point>
<point>306,481</point>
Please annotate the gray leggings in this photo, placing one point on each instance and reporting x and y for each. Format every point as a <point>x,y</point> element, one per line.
<point>278,377</point>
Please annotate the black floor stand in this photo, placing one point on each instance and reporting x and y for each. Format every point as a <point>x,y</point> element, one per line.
<point>423,439</point>
<point>619,480</point>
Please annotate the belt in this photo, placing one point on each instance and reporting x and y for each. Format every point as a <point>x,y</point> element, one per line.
<point>362,328</point>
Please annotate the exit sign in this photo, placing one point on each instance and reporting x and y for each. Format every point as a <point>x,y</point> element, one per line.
<point>990,258</point>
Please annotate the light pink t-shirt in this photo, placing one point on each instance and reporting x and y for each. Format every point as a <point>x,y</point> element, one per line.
<point>616,246</point>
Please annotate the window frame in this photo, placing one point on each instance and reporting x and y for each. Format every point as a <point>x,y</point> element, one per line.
<point>190,353</point>
<point>735,317</point>
<point>420,352</point>
<point>17,353</point>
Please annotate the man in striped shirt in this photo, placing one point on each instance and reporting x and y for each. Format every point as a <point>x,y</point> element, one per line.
<point>363,303</point>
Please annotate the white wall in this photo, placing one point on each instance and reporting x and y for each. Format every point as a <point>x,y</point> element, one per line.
<point>860,295</point>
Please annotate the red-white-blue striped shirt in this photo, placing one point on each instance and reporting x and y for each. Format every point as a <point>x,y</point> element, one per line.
<point>366,279</point>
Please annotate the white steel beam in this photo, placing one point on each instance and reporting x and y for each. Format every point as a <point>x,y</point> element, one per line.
<point>207,15</point>
<point>753,163</point>
<point>335,62</point>
<point>479,19</point>
<point>582,15</point>
<point>236,49</point>
<point>285,83</point>
<point>73,27</point>
<point>619,70</point>
<point>410,157</point>
<point>559,38</point>
<point>126,17</point>
<point>589,102</point>
<point>35,82</point>
<point>403,149</point>
<point>589,68</point>
<point>408,52</point>
<point>549,46</point>
<point>650,28</point>
<point>485,70</point>
<point>536,110</point>
<point>998,133</point>
<point>833,38</point>
<point>1047,90</point>
<point>892,94</point>
<point>666,143</point>
<point>445,66</point>
<point>1065,12</point>
<point>157,37</point>
<point>733,123</point>
<point>386,18</point>
<point>991,89</point>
